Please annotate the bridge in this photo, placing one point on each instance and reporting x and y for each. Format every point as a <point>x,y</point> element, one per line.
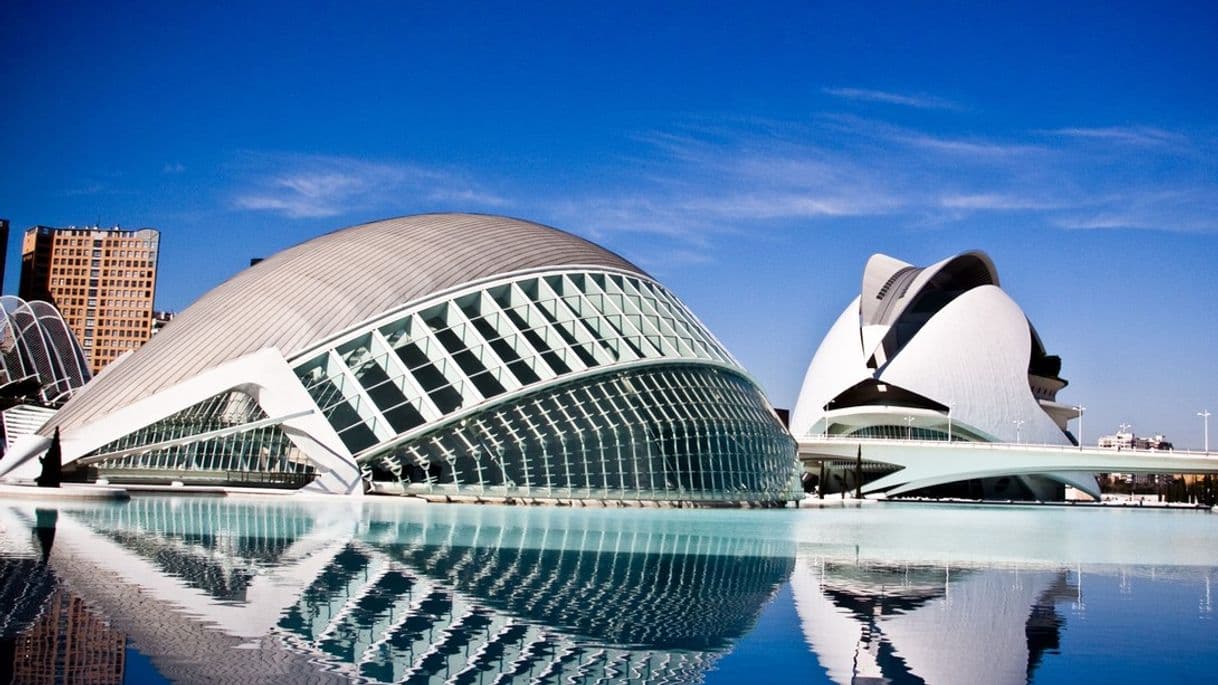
<point>927,463</point>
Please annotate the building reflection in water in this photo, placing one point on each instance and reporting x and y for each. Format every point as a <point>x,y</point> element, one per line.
<point>223,590</point>
<point>415,594</point>
<point>68,644</point>
<point>877,623</point>
<point>47,633</point>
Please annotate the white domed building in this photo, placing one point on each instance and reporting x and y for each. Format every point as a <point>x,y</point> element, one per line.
<point>940,353</point>
<point>444,355</point>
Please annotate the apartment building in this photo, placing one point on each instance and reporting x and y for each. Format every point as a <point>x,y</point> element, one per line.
<point>102,280</point>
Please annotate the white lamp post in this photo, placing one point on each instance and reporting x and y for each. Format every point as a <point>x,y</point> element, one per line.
<point>909,427</point>
<point>1080,409</point>
<point>1018,428</point>
<point>1205,421</point>
<point>950,405</point>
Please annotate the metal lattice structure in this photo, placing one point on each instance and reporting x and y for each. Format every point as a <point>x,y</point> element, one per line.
<point>39,356</point>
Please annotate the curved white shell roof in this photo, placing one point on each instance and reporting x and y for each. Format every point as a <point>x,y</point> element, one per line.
<point>972,353</point>
<point>324,286</point>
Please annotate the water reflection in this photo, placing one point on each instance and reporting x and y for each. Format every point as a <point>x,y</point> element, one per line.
<point>47,633</point>
<point>910,624</point>
<point>215,589</point>
<point>415,594</point>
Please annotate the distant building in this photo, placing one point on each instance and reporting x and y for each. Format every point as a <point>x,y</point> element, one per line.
<point>1129,441</point>
<point>159,319</point>
<point>102,280</point>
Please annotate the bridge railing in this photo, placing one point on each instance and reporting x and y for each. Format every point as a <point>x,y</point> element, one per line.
<point>972,445</point>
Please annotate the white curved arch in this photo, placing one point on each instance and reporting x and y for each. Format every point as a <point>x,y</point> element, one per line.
<point>14,364</point>
<point>38,343</point>
<point>70,368</point>
<point>30,338</point>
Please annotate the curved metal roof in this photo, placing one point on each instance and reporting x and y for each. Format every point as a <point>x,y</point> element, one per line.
<point>890,285</point>
<point>326,285</point>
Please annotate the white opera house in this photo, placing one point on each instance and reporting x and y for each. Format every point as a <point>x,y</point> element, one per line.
<point>940,353</point>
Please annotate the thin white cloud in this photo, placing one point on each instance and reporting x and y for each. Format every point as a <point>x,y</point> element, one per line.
<point>919,101</point>
<point>704,181</point>
<point>975,147</point>
<point>684,190</point>
<point>1192,209</point>
<point>173,168</point>
<point>1135,135</point>
<point>998,202</point>
<point>317,186</point>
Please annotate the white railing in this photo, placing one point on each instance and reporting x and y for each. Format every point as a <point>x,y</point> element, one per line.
<point>965,444</point>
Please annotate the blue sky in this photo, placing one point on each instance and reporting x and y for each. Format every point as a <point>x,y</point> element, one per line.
<point>751,156</point>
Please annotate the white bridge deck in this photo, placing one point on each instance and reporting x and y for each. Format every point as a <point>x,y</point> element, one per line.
<point>927,463</point>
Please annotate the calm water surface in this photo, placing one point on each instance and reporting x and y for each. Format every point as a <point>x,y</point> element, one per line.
<point>244,590</point>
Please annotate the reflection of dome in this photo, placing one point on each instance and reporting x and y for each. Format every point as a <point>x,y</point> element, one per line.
<point>936,353</point>
<point>557,599</point>
<point>408,595</point>
<point>978,625</point>
<point>446,354</point>
<point>658,601</point>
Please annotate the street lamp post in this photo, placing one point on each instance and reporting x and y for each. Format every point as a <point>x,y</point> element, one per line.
<point>1018,430</point>
<point>1122,429</point>
<point>909,427</point>
<point>1205,421</point>
<point>1080,409</point>
<point>950,405</point>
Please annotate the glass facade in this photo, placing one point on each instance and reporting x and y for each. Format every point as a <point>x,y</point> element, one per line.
<point>426,364</point>
<point>670,432</point>
<point>574,384</point>
<point>959,433</point>
<point>260,454</point>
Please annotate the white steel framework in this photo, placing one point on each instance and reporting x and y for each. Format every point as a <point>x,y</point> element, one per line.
<point>37,348</point>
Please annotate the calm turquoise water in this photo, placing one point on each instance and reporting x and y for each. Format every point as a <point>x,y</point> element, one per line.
<point>196,589</point>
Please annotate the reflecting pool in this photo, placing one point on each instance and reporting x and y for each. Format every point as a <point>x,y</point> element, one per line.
<point>272,590</point>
